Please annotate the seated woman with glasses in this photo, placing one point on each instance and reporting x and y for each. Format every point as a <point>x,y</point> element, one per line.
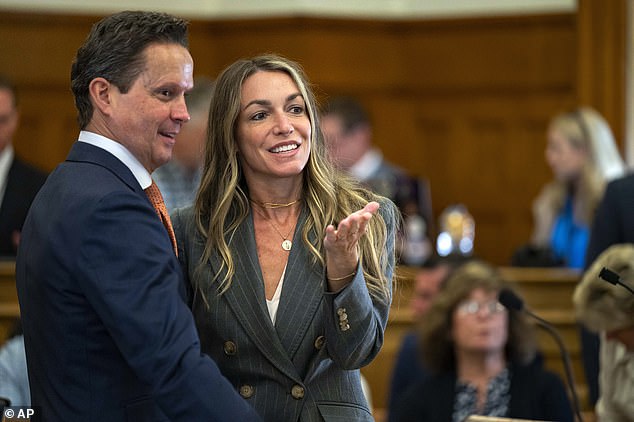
<point>482,356</point>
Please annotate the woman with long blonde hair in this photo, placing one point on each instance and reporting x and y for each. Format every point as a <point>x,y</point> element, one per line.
<point>289,262</point>
<point>583,156</point>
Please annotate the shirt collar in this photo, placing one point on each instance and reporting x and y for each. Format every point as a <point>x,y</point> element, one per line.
<point>367,165</point>
<point>6,159</point>
<point>122,153</point>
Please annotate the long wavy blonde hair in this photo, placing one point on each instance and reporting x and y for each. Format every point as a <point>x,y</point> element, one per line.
<point>585,129</point>
<point>222,202</point>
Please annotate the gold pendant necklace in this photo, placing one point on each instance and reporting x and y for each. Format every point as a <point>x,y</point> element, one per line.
<point>273,205</point>
<point>286,244</point>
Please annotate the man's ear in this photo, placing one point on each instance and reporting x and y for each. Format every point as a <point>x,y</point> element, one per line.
<point>101,94</point>
<point>363,134</point>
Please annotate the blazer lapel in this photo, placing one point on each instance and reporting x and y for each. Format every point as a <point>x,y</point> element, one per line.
<point>302,293</point>
<point>247,299</point>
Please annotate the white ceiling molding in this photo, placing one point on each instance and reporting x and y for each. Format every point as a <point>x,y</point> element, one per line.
<point>374,9</point>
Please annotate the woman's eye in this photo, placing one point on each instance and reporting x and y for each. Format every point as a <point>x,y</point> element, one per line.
<point>297,109</point>
<point>259,116</point>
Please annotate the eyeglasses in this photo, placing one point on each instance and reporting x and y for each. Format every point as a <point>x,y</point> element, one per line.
<point>471,307</point>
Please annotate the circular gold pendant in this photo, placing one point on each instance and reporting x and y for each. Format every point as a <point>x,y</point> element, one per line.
<point>287,244</point>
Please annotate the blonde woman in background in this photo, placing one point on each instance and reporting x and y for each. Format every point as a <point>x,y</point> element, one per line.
<point>609,309</point>
<point>583,156</point>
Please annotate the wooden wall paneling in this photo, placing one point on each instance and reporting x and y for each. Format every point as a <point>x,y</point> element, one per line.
<point>521,54</point>
<point>339,54</point>
<point>48,126</point>
<point>487,153</point>
<point>37,52</point>
<point>602,59</point>
<point>458,101</point>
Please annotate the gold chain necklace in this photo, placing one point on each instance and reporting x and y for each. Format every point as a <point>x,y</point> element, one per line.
<point>286,243</point>
<point>273,205</point>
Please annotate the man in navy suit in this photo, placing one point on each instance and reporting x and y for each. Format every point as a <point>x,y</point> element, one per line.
<point>19,182</point>
<point>108,334</point>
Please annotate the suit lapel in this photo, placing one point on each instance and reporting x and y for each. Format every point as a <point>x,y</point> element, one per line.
<point>247,299</point>
<point>85,152</point>
<point>302,293</point>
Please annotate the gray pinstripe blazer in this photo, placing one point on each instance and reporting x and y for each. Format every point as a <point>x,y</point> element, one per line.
<point>305,368</point>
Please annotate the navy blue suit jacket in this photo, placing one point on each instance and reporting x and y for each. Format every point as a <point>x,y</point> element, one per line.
<point>108,335</point>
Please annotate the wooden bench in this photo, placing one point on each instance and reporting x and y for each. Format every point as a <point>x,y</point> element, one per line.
<point>9,309</point>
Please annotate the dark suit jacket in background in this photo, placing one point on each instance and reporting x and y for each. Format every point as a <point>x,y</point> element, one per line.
<point>613,223</point>
<point>614,219</point>
<point>405,191</point>
<point>303,368</point>
<point>108,335</point>
<point>23,183</point>
<point>408,370</point>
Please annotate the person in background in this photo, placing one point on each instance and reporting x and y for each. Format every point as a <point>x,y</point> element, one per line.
<point>290,263</point>
<point>19,181</point>
<point>482,358</point>
<point>612,224</point>
<point>179,179</point>
<point>428,282</point>
<point>107,330</point>
<point>14,379</point>
<point>348,132</point>
<point>583,156</point>
<point>608,309</point>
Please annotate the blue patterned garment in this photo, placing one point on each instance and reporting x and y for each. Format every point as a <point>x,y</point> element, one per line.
<point>177,184</point>
<point>569,239</point>
<point>497,399</point>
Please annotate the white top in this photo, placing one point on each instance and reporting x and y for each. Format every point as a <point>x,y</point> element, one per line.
<point>121,152</point>
<point>616,382</point>
<point>367,165</point>
<point>275,301</point>
<point>6,159</point>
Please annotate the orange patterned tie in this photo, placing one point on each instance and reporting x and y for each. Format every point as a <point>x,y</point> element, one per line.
<point>154,194</point>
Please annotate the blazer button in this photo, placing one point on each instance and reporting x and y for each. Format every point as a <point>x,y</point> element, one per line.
<point>319,342</point>
<point>230,348</point>
<point>297,392</point>
<point>246,391</point>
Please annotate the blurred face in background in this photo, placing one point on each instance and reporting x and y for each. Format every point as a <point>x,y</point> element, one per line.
<point>565,159</point>
<point>480,323</point>
<point>427,284</point>
<point>190,141</point>
<point>8,118</point>
<point>345,149</point>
